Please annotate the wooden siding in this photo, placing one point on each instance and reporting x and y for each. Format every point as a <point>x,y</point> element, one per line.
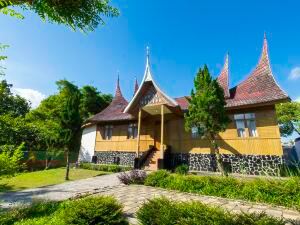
<point>267,143</point>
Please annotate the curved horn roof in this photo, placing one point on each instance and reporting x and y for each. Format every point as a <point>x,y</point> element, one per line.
<point>146,79</point>
<point>223,78</point>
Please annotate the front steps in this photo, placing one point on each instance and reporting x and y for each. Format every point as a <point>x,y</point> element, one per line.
<point>151,162</point>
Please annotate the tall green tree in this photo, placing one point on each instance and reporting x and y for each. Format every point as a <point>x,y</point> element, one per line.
<point>10,103</point>
<point>85,15</point>
<point>206,111</point>
<point>2,58</point>
<point>288,115</point>
<point>71,126</point>
<point>92,101</point>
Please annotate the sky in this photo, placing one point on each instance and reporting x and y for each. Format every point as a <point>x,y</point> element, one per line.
<point>182,36</point>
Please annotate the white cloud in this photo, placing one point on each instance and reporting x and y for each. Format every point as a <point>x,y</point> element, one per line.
<point>295,73</point>
<point>34,96</point>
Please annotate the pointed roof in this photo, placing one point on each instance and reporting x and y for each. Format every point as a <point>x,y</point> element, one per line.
<point>223,78</point>
<point>148,79</point>
<point>136,86</point>
<point>260,86</point>
<point>118,92</point>
<point>114,111</point>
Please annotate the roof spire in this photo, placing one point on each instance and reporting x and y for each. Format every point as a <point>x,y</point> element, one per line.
<point>223,78</point>
<point>136,86</point>
<point>264,58</point>
<point>147,74</point>
<point>118,89</point>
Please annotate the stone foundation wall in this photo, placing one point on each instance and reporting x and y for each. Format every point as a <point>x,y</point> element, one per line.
<point>244,164</point>
<point>115,157</point>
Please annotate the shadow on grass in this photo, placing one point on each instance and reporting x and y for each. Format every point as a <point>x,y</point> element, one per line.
<point>5,187</point>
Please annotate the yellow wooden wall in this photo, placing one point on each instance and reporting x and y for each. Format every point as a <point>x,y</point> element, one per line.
<point>120,142</point>
<point>267,143</point>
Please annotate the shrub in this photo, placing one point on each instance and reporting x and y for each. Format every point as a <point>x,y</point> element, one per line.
<point>157,178</point>
<point>133,177</point>
<point>274,191</point>
<point>182,169</point>
<point>164,212</point>
<point>89,210</point>
<point>10,160</point>
<point>36,210</point>
<point>107,168</point>
<point>93,210</point>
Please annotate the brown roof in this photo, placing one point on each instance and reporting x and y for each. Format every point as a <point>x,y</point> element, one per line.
<point>223,78</point>
<point>259,87</point>
<point>113,112</point>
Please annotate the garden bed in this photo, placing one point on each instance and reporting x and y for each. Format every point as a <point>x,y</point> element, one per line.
<point>272,191</point>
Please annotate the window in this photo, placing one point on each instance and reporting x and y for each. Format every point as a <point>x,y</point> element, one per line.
<point>108,132</point>
<point>195,133</point>
<point>244,121</point>
<point>132,131</point>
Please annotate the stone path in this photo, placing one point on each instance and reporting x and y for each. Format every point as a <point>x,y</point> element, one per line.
<point>133,196</point>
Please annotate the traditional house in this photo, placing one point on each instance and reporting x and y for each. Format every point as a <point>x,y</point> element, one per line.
<point>148,131</point>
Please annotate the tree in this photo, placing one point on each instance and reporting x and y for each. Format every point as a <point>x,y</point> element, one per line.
<point>10,103</point>
<point>206,111</point>
<point>85,15</point>
<point>71,126</point>
<point>92,101</point>
<point>288,115</point>
<point>2,58</point>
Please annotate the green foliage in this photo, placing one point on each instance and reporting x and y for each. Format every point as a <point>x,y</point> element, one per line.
<point>36,210</point>
<point>10,160</point>
<point>207,106</point>
<point>102,167</point>
<point>206,111</point>
<point>89,210</point>
<point>165,212</point>
<point>12,104</point>
<point>274,191</point>
<point>288,115</point>
<point>92,101</point>
<point>93,210</point>
<point>182,169</point>
<point>15,130</point>
<point>85,15</point>
<point>2,58</point>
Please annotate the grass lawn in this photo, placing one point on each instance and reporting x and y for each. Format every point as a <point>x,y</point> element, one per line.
<point>44,178</point>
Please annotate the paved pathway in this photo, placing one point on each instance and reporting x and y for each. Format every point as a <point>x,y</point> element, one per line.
<point>60,191</point>
<point>133,196</point>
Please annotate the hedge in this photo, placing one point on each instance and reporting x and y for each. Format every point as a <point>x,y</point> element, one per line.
<point>162,211</point>
<point>105,167</point>
<point>284,192</point>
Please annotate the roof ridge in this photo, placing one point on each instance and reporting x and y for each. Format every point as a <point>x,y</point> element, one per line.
<point>223,77</point>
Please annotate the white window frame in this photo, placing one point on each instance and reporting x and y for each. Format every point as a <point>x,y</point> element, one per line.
<point>244,125</point>
<point>132,131</point>
<point>108,132</point>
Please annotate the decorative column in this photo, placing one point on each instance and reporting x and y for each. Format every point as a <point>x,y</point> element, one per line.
<point>138,134</point>
<point>162,133</point>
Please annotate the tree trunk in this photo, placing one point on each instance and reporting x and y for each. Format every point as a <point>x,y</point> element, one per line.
<point>220,164</point>
<point>67,166</point>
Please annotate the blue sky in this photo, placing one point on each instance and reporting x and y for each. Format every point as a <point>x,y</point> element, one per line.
<point>182,35</point>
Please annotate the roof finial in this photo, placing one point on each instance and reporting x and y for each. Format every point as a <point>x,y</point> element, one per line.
<point>118,89</point>
<point>136,86</point>
<point>264,58</point>
<point>147,75</point>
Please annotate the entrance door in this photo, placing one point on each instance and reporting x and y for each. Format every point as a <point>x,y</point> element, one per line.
<point>157,128</point>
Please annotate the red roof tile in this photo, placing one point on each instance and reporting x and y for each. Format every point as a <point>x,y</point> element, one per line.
<point>113,112</point>
<point>223,78</point>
